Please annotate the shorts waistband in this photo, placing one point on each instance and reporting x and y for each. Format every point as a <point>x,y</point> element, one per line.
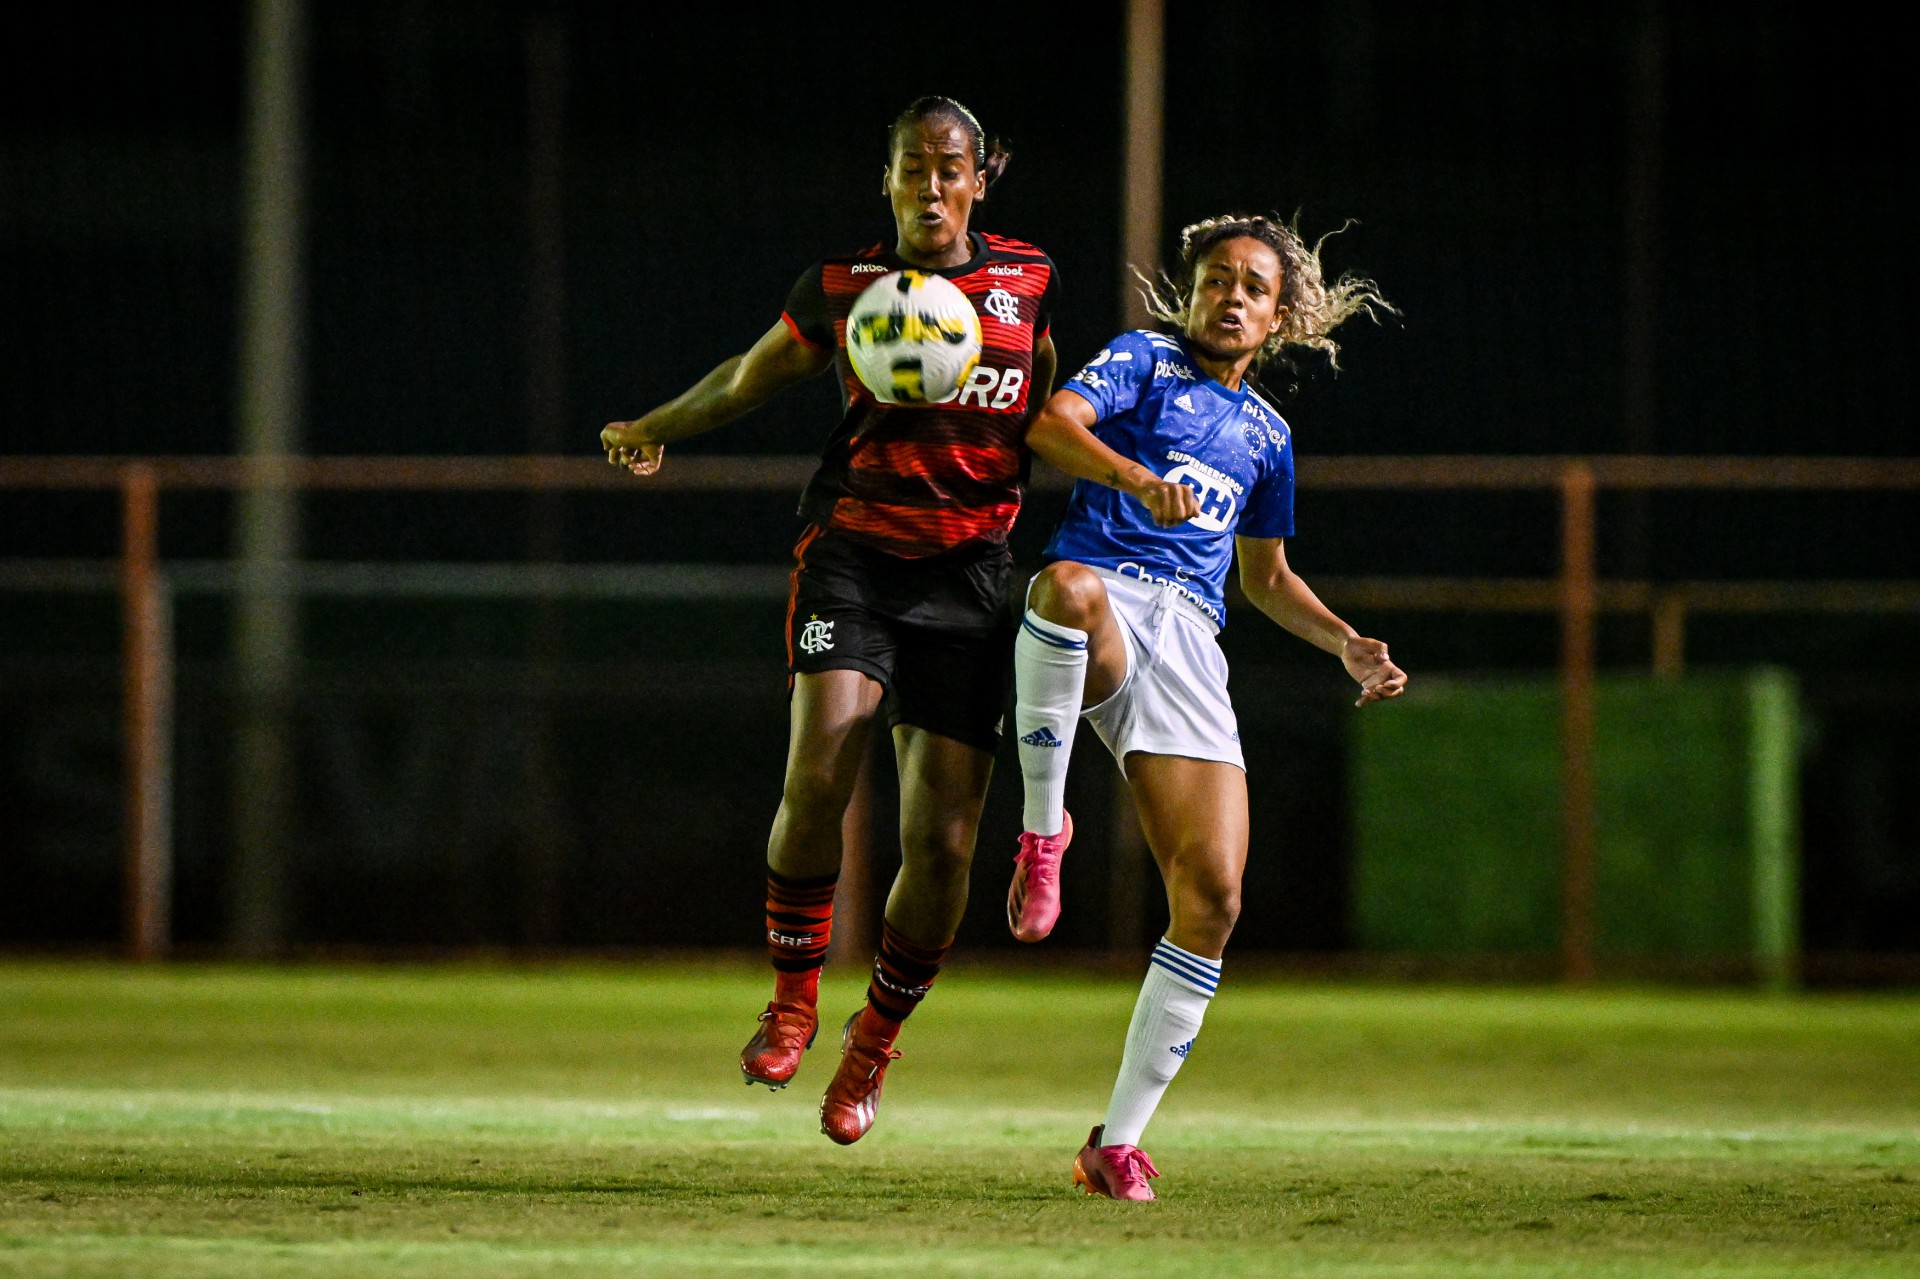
<point>1175,594</point>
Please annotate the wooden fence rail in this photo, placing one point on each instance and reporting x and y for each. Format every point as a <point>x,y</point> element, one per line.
<point>1577,594</point>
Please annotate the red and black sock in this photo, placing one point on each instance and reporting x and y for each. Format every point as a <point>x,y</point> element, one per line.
<point>799,925</point>
<point>902,973</point>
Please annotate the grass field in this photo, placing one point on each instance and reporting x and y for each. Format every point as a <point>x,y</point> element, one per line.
<point>589,1121</point>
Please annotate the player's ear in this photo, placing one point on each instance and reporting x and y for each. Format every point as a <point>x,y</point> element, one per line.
<point>886,179</point>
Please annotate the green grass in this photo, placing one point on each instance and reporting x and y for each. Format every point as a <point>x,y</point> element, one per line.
<point>588,1121</point>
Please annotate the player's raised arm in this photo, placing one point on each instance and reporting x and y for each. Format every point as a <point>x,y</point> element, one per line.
<point>1276,590</point>
<point>737,386</point>
<point>1062,434</point>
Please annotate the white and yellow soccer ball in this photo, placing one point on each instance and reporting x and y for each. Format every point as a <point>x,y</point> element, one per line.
<point>913,338</point>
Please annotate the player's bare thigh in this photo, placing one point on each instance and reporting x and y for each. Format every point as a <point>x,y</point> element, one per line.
<point>1074,595</point>
<point>1194,814</point>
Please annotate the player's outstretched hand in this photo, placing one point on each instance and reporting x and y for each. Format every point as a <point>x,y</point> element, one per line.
<point>1366,660</point>
<point>622,450</point>
<point>1170,503</point>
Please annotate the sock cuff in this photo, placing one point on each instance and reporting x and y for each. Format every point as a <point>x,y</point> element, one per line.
<point>896,947</point>
<point>1196,972</point>
<point>1052,633</point>
<point>810,883</point>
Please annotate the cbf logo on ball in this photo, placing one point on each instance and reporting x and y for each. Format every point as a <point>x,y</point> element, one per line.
<point>913,338</point>
<point>1217,501</point>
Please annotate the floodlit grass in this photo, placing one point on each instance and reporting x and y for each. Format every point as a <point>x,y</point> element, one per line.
<point>589,1121</point>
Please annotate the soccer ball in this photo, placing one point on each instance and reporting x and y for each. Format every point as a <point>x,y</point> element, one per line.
<point>914,338</point>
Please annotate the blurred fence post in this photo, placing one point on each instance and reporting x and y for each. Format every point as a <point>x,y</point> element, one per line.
<point>1140,175</point>
<point>148,708</point>
<point>1578,605</point>
<point>266,613</point>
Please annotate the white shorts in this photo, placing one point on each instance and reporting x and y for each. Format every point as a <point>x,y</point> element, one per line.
<point>1174,698</point>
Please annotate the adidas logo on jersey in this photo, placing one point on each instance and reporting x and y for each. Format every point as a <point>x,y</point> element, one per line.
<point>1041,736</point>
<point>1181,1050</point>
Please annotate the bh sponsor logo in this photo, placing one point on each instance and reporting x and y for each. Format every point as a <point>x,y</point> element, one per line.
<point>1217,492</point>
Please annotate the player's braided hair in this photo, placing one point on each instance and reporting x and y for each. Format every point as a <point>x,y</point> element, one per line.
<point>990,155</point>
<point>1314,307</point>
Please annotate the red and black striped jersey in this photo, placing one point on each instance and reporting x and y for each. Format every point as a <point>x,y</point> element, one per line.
<point>923,479</point>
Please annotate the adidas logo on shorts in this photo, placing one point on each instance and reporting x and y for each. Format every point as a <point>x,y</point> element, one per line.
<point>1041,736</point>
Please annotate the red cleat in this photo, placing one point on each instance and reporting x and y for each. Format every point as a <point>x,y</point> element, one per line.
<point>773,1054</point>
<point>1117,1172</point>
<point>1033,899</point>
<point>853,1096</point>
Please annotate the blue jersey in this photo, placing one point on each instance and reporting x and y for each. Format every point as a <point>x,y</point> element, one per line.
<point>1154,406</point>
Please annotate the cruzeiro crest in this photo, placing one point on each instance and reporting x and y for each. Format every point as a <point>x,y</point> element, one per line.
<point>1002,306</point>
<point>816,636</point>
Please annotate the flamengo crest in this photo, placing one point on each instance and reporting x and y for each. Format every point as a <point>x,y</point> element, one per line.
<point>1002,306</point>
<point>816,636</point>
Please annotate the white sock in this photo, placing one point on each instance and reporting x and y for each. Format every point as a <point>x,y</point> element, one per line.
<point>1166,1019</point>
<point>1049,678</point>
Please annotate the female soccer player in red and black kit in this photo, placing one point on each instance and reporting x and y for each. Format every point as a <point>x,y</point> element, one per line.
<point>899,596</point>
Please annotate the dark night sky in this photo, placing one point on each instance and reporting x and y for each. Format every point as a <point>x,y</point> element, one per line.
<point>711,153</point>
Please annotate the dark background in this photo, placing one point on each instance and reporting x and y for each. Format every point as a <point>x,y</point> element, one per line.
<point>1485,151</point>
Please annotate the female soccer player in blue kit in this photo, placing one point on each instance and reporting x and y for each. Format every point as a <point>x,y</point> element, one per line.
<point>1181,465</point>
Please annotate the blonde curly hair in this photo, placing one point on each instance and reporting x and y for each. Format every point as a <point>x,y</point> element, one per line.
<point>1314,308</point>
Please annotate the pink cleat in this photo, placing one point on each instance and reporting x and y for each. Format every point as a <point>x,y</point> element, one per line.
<point>1117,1172</point>
<point>1033,899</point>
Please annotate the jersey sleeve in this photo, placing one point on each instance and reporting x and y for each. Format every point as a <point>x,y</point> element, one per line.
<point>1114,380</point>
<point>1043,321</point>
<point>806,310</point>
<point>1269,508</point>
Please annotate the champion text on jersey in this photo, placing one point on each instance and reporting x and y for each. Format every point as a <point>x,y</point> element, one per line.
<point>1041,736</point>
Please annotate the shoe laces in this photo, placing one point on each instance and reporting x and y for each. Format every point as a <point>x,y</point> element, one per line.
<point>1033,858</point>
<point>1131,1162</point>
<point>786,1024</point>
<point>875,1056</point>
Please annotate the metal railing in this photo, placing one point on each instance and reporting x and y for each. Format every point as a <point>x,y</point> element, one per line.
<point>1576,594</point>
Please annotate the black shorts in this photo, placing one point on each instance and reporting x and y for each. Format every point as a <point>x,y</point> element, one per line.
<point>936,632</point>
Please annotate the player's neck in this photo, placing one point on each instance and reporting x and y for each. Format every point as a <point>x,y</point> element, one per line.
<point>1228,370</point>
<point>958,253</point>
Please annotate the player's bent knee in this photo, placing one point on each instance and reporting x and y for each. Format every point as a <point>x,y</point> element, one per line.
<point>944,850</point>
<point>1209,904</point>
<point>1068,593</point>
